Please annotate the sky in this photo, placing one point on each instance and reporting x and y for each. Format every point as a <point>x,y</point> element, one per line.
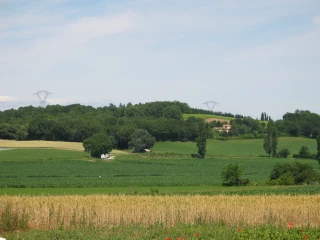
<point>250,56</point>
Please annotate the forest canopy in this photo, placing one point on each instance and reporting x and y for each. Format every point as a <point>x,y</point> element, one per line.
<point>163,120</point>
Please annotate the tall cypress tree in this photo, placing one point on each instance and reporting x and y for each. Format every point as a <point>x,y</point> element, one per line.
<point>202,139</point>
<point>271,140</point>
<point>318,148</point>
<point>262,116</point>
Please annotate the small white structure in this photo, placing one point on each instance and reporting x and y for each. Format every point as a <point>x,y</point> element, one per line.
<point>147,150</point>
<point>105,156</point>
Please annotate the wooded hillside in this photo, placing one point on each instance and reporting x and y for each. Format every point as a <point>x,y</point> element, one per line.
<point>163,120</point>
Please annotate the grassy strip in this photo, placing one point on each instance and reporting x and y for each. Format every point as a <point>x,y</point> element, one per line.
<point>179,232</point>
<point>167,190</point>
<point>206,116</point>
<point>235,148</point>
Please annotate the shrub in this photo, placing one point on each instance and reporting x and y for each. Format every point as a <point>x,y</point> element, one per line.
<point>284,179</point>
<point>304,151</point>
<point>300,173</point>
<point>244,181</point>
<point>312,156</point>
<point>283,153</point>
<point>230,175</point>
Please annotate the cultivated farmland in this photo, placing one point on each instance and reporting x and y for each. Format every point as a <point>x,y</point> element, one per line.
<point>168,191</point>
<point>42,144</point>
<point>97,210</point>
<point>46,168</point>
<point>235,148</point>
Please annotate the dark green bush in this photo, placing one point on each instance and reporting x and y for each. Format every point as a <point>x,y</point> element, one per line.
<point>284,179</point>
<point>301,173</point>
<point>231,176</point>
<point>304,151</point>
<point>284,153</point>
<point>140,140</point>
<point>244,181</point>
<point>312,156</point>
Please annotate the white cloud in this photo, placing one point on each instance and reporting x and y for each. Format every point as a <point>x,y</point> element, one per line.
<point>93,27</point>
<point>59,42</point>
<point>7,99</point>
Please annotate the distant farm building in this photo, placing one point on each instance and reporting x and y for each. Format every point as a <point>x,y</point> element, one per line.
<point>224,128</point>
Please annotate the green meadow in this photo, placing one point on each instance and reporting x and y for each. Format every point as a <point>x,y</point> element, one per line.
<point>206,116</point>
<point>180,232</point>
<point>171,168</point>
<point>235,148</point>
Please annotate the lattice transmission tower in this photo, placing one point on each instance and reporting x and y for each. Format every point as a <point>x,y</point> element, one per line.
<point>211,105</point>
<point>42,95</point>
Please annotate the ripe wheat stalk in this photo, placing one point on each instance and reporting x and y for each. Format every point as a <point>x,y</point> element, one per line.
<point>52,212</point>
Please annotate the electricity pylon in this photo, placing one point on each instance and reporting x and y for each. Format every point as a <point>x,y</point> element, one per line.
<point>211,105</point>
<point>42,95</point>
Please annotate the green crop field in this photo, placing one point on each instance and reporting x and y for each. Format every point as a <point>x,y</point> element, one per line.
<point>171,164</point>
<point>172,168</point>
<point>182,231</point>
<point>206,116</point>
<point>235,148</point>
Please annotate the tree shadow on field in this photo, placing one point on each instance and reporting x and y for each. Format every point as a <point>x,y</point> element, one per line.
<point>195,155</point>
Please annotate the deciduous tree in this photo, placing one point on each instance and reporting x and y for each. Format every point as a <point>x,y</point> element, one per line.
<point>202,139</point>
<point>98,144</point>
<point>140,140</point>
<point>172,112</point>
<point>318,148</point>
<point>271,140</point>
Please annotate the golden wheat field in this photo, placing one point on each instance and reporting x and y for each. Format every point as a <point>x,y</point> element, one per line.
<point>41,144</point>
<point>52,212</point>
<point>76,146</point>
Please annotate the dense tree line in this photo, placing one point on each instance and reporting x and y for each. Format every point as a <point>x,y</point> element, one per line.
<point>163,120</point>
<point>299,123</point>
<point>247,127</point>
